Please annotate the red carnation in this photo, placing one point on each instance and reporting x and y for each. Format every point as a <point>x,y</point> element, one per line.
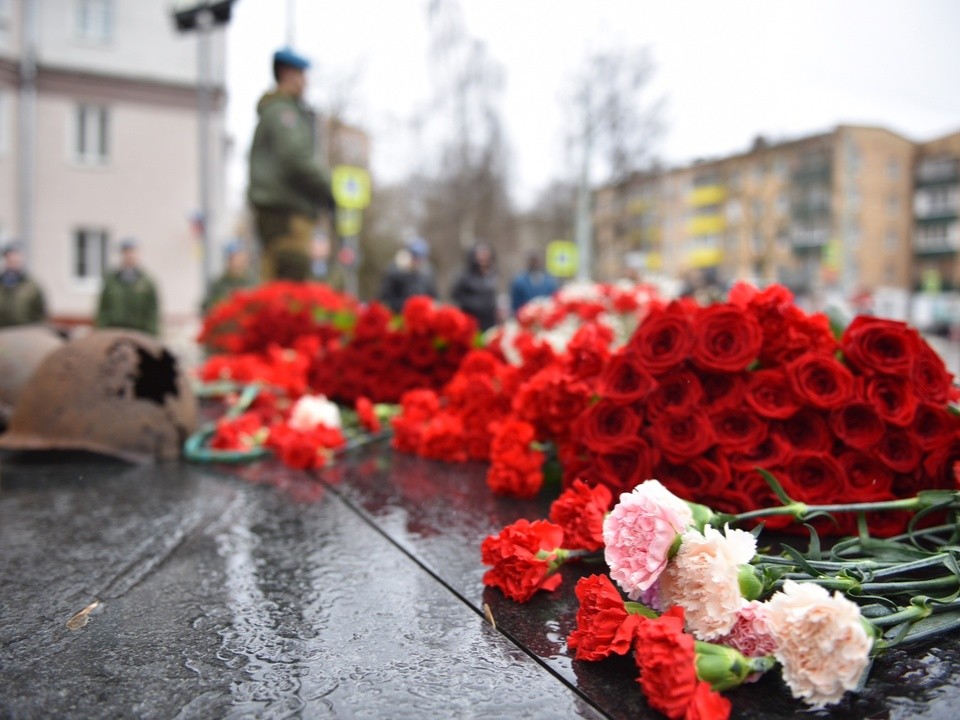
<point>625,379</point>
<point>663,340</point>
<point>770,395</point>
<point>665,655</point>
<point>725,339</point>
<point>683,437</point>
<point>604,627</point>
<point>520,558</point>
<point>880,346</point>
<point>858,425</point>
<point>516,469</point>
<point>588,351</point>
<point>820,380</point>
<point>707,704</point>
<point>892,398</point>
<point>580,510</point>
<point>367,415</point>
<point>550,400</point>
<point>605,425</point>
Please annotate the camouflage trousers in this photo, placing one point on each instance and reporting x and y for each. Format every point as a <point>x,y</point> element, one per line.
<point>286,241</point>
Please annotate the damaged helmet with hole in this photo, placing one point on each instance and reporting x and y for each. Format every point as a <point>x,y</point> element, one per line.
<point>117,392</point>
<point>22,349</point>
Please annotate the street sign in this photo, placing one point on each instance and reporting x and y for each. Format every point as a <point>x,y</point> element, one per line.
<point>351,187</point>
<point>349,222</point>
<point>562,258</point>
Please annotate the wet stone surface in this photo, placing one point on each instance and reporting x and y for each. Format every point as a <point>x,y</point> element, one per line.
<point>220,598</point>
<point>260,592</point>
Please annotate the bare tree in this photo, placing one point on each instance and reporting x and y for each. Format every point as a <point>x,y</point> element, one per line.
<point>463,193</point>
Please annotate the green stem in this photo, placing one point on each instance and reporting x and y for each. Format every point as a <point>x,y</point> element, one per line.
<point>801,510</point>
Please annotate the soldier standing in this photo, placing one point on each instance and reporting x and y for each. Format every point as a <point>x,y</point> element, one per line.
<point>287,187</point>
<point>235,277</point>
<point>129,296</point>
<point>21,299</point>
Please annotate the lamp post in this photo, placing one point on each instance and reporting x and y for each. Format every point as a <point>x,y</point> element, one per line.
<point>203,16</point>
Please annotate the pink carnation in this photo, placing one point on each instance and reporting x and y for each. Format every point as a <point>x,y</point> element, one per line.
<point>751,633</point>
<point>639,532</point>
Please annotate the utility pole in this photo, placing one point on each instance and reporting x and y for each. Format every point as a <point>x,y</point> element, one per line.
<point>584,225</point>
<point>27,139</point>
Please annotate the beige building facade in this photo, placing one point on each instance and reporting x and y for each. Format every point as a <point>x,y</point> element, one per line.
<point>838,209</point>
<point>110,149</point>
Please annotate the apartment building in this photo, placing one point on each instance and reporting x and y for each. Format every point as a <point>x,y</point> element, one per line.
<point>832,209</point>
<point>936,209</point>
<point>99,137</point>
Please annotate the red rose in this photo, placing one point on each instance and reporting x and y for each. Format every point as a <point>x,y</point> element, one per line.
<point>682,437</point>
<point>678,393</point>
<point>806,431</point>
<point>899,451</point>
<point>739,430</point>
<point>665,655</point>
<point>769,394</point>
<point>623,468</point>
<point>933,426</point>
<point>938,464</point>
<point>879,346</point>
<point>697,479</point>
<point>580,510</point>
<point>868,478</point>
<point>892,398</point>
<point>723,390</point>
<point>817,479</point>
<point>820,380</point>
<point>625,379</point>
<point>604,626</point>
<point>663,340</point>
<point>858,425</point>
<point>773,450</point>
<point>605,426</point>
<point>520,558</point>
<point>726,339</point>
<point>930,376</point>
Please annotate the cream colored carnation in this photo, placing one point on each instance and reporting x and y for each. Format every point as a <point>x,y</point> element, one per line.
<point>312,410</point>
<point>703,579</point>
<point>821,642</point>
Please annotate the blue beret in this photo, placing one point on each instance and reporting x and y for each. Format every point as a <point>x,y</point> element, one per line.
<point>291,59</point>
<point>129,244</point>
<point>232,248</point>
<point>12,246</point>
<point>418,247</point>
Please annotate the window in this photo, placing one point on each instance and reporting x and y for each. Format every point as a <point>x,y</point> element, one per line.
<point>94,20</point>
<point>893,168</point>
<point>889,273</point>
<point>890,241</point>
<point>89,253</point>
<point>91,142</point>
<point>893,204</point>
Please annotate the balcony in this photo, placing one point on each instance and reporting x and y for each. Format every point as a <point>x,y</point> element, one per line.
<point>706,195</point>
<point>936,171</point>
<point>706,225</point>
<point>808,238</point>
<point>703,257</point>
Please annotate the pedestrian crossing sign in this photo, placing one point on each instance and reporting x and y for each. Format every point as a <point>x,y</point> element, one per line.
<point>349,222</point>
<point>562,258</point>
<point>351,187</point>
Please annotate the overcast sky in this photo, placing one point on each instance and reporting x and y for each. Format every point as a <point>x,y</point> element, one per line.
<point>728,70</point>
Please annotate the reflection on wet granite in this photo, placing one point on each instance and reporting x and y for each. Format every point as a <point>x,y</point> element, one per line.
<point>226,599</point>
<point>440,513</point>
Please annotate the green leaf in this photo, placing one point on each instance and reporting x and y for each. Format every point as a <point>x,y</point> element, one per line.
<point>775,486</point>
<point>801,561</point>
<point>813,552</point>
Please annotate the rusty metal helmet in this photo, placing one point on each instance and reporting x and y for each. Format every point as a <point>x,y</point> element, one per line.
<point>116,392</point>
<point>22,349</point>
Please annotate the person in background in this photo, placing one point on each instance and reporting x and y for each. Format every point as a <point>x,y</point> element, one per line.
<point>475,291</point>
<point>532,283</point>
<point>287,187</point>
<point>236,276</point>
<point>129,297</point>
<point>409,275</point>
<point>21,299</point>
